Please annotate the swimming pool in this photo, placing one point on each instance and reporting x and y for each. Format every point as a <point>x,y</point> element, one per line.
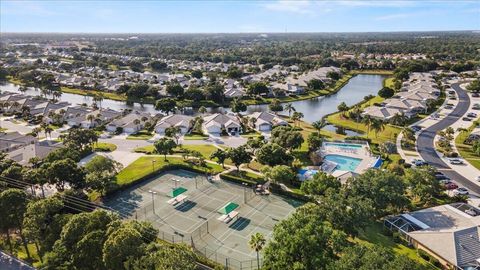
<point>344,145</point>
<point>344,163</point>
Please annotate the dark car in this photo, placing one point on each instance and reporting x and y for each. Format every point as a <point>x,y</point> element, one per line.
<point>475,95</point>
<point>472,114</point>
<point>440,176</point>
<point>419,162</point>
<point>450,186</point>
<point>451,92</point>
<point>416,128</point>
<point>466,119</point>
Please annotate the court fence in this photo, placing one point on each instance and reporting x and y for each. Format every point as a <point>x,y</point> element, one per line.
<point>195,236</point>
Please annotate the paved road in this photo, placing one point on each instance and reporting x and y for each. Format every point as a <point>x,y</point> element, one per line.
<point>425,144</point>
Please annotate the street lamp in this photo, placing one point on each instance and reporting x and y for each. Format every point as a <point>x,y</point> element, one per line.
<point>245,192</point>
<point>153,165</point>
<point>153,199</point>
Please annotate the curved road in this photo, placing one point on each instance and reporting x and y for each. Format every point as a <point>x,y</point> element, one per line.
<point>425,144</point>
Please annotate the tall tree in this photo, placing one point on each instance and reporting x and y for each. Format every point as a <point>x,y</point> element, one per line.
<point>165,146</point>
<point>303,241</point>
<point>166,105</point>
<point>239,156</point>
<point>257,242</point>
<point>220,155</point>
<point>13,205</point>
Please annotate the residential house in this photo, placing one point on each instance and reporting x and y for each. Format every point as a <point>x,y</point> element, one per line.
<point>265,121</point>
<point>174,120</point>
<point>13,140</point>
<point>383,113</point>
<point>215,124</point>
<point>409,105</point>
<point>130,123</point>
<point>39,149</point>
<point>449,233</point>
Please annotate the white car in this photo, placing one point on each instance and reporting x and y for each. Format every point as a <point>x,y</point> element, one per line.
<point>456,161</point>
<point>477,178</point>
<point>460,191</point>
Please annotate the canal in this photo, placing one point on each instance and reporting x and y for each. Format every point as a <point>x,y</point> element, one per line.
<point>313,109</point>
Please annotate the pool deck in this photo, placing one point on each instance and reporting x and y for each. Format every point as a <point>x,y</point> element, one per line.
<point>367,159</point>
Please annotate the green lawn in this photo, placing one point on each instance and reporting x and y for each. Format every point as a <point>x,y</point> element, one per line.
<point>149,165</point>
<point>82,92</point>
<point>205,149</point>
<point>373,71</point>
<point>388,134</point>
<point>373,235</point>
<point>251,133</point>
<point>140,135</point>
<point>104,147</point>
<point>465,150</point>
<point>195,137</point>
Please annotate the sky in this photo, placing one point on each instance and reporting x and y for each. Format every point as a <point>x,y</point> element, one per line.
<point>236,16</point>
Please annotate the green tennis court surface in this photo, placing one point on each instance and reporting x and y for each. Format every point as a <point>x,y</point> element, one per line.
<point>195,220</point>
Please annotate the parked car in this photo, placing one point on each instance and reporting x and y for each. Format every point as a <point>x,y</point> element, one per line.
<point>444,182</point>
<point>441,176</point>
<point>476,106</point>
<point>477,178</point>
<point>452,97</point>
<point>451,92</point>
<point>472,114</point>
<point>419,162</point>
<point>455,161</point>
<point>475,94</point>
<point>450,186</point>
<point>467,119</point>
<point>416,128</point>
<point>460,191</point>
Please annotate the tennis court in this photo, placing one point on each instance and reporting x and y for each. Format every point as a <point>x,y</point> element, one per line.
<point>195,220</point>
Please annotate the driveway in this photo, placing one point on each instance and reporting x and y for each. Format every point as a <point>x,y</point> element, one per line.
<point>425,140</point>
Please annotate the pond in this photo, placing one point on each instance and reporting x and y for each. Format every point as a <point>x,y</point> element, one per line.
<point>353,92</point>
<point>341,130</point>
<point>313,109</point>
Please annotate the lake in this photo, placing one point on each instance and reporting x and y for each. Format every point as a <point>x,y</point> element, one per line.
<point>312,109</point>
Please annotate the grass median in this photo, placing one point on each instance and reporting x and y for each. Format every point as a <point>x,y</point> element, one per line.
<point>147,166</point>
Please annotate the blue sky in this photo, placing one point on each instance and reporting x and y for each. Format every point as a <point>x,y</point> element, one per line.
<point>237,16</point>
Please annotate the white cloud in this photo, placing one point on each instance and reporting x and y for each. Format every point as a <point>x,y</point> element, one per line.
<point>361,3</point>
<point>394,16</point>
<point>300,7</point>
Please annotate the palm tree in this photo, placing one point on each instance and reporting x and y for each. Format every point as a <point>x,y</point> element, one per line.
<point>318,125</point>
<point>252,121</point>
<point>136,122</point>
<point>257,241</point>
<point>367,120</point>
<point>378,126</point>
<point>297,116</point>
<point>289,107</point>
<point>48,130</point>
<point>36,131</point>
<point>202,110</point>
<point>56,95</point>
<point>90,118</point>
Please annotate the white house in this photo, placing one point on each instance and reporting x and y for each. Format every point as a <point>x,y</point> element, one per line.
<point>130,123</point>
<point>174,120</point>
<point>265,121</point>
<point>215,123</point>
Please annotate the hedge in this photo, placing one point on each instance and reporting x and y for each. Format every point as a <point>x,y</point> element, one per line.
<point>154,174</point>
<point>239,180</point>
